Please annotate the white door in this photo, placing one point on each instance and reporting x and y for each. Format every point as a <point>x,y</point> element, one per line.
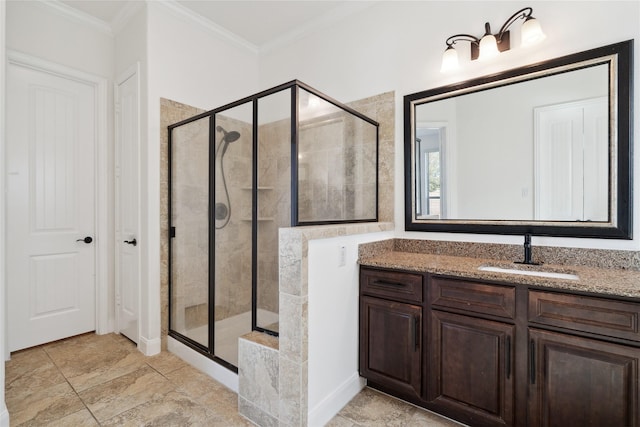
<point>559,168</point>
<point>127,222</point>
<point>572,171</point>
<point>51,136</point>
<point>596,161</point>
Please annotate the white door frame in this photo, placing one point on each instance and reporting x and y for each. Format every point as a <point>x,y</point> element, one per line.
<point>4,348</point>
<point>132,71</point>
<point>104,321</point>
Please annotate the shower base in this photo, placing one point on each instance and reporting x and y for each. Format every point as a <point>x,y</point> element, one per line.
<point>227,332</point>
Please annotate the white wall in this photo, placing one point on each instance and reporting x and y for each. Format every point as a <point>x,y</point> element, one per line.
<point>333,324</point>
<point>398,45</point>
<point>191,64</point>
<point>131,43</point>
<point>40,30</point>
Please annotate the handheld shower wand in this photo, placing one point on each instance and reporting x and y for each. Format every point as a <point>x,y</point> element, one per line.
<point>222,210</point>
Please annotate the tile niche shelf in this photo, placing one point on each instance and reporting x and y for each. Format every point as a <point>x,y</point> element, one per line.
<point>260,188</point>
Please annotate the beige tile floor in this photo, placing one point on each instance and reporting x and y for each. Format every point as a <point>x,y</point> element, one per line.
<point>102,380</point>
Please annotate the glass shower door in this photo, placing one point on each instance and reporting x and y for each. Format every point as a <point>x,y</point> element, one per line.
<point>233,174</point>
<point>189,219</point>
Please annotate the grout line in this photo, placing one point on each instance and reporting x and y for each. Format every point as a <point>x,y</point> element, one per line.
<point>70,385</point>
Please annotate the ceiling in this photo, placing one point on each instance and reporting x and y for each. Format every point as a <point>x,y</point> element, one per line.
<point>257,22</point>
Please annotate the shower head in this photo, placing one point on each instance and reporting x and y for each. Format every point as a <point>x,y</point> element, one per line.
<point>228,136</point>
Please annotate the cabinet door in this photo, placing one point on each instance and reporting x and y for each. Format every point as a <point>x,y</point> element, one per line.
<point>390,347</point>
<point>471,369</point>
<point>578,381</point>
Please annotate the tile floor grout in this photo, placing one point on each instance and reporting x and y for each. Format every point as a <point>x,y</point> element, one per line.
<point>44,349</point>
<point>102,380</point>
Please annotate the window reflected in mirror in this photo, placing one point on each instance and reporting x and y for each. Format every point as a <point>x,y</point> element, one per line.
<point>430,148</point>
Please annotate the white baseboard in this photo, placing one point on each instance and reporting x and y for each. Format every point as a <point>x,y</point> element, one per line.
<point>149,347</point>
<point>334,402</point>
<point>4,416</point>
<point>216,371</point>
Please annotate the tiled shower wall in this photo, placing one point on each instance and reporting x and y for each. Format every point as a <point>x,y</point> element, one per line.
<point>381,108</point>
<point>336,169</point>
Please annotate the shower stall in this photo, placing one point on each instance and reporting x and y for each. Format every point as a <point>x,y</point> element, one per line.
<point>289,156</point>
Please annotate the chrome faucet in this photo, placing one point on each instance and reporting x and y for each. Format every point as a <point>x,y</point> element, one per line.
<point>527,252</point>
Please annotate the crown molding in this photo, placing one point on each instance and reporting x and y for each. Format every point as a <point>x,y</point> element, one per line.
<point>178,10</point>
<point>322,21</point>
<point>77,16</point>
<point>125,14</point>
<point>132,7</point>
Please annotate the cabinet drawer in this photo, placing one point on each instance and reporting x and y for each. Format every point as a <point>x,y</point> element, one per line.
<point>390,284</point>
<point>589,314</point>
<point>473,296</point>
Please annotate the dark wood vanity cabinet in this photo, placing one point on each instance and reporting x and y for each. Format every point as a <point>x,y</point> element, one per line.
<point>590,379</point>
<point>497,354</point>
<point>391,331</point>
<point>577,381</point>
<point>471,354</point>
<point>392,353</point>
<point>471,369</point>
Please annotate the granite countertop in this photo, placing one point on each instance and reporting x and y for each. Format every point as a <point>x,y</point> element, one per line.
<point>607,281</point>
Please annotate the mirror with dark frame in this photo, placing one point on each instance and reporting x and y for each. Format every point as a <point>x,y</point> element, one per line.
<point>544,149</point>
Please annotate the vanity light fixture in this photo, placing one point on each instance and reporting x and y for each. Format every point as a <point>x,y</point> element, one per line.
<point>491,45</point>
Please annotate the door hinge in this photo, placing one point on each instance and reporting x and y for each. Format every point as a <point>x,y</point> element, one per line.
<point>172,232</point>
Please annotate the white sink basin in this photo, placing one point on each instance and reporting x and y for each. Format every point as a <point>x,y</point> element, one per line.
<point>552,274</point>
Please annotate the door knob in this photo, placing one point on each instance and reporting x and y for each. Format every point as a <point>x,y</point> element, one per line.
<point>87,240</point>
<point>131,242</point>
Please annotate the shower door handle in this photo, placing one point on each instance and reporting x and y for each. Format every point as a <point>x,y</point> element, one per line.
<point>131,242</point>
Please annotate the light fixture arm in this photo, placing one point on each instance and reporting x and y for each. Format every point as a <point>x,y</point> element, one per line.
<point>458,37</point>
<point>522,13</point>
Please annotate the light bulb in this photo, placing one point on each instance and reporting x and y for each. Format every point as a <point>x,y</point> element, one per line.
<point>531,32</point>
<point>449,60</point>
<point>488,47</point>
